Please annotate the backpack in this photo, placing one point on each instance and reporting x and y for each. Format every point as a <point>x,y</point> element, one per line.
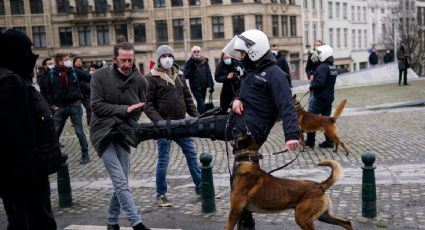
<point>48,154</point>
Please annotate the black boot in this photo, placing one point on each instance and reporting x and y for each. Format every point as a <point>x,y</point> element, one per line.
<point>140,226</point>
<point>84,158</point>
<point>327,143</point>
<point>113,227</point>
<point>246,221</point>
<point>310,142</point>
<point>212,127</point>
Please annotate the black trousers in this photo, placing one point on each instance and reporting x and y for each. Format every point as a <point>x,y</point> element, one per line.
<point>29,207</point>
<point>404,73</point>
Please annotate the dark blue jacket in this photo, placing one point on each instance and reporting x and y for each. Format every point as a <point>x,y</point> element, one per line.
<point>266,95</point>
<point>283,64</point>
<point>323,83</point>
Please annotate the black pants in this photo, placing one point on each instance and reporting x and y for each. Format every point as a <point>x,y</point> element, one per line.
<point>404,73</point>
<point>29,207</point>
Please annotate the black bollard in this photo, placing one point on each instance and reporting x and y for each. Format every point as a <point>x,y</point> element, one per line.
<point>368,186</point>
<point>208,193</point>
<point>64,184</point>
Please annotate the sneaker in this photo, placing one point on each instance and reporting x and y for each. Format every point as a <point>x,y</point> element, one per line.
<point>326,144</point>
<point>309,144</point>
<point>162,201</point>
<point>140,226</point>
<point>84,159</point>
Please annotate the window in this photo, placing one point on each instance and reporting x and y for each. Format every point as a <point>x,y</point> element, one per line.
<point>373,34</point>
<point>322,31</point>
<point>313,4</point>
<point>39,36</point>
<point>338,38</point>
<point>178,29</point>
<point>353,12</point>
<point>365,38</point>
<point>305,4</point>
<point>196,28</point>
<point>176,3</point>
<point>331,37</point>
<point>17,7</point>
<point>330,10</point>
<point>337,9</point>
<point>364,13</point>
<point>275,25</point>
<point>139,33</point>
<point>345,37</point>
<point>321,4</point>
<point>360,38</point>
<point>82,7</point>
<point>20,29</point>
<point>359,14</point>
<point>120,31</point>
<point>100,7</point>
<point>383,28</point>
<point>62,6</point>
<point>236,1</point>
<point>36,6</point>
<point>216,2</point>
<point>118,6</point>
<point>65,36</point>
<point>2,12</point>
<point>344,10</point>
<point>293,25</point>
<point>102,34</point>
<point>137,4</point>
<point>238,23</point>
<point>284,25</point>
<point>314,32</point>
<point>353,39</point>
<point>259,22</point>
<point>159,4</point>
<point>218,27</point>
<point>84,35</point>
<point>306,32</point>
<point>194,2</point>
<point>161,30</point>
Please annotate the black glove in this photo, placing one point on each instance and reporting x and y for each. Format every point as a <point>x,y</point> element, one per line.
<point>211,90</point>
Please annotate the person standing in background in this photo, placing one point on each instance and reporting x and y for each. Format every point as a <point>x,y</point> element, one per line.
<point>281,62</point>
<point>403,64</point>
<point>373,58</point>
<point>85,89</point>
<point>312,60</point>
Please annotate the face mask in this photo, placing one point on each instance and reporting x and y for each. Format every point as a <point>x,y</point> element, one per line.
<point>125,74</point>
<point>91,72</point>
<point>51,66</point>
<point>166,62</point>
<point>274,52</point>
<point>68,64</point>
<point>227,61</point>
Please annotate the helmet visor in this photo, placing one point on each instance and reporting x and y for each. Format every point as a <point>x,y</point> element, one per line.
<point>230,48</point>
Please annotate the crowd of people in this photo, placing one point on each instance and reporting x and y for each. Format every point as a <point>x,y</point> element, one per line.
<point>256,91</point>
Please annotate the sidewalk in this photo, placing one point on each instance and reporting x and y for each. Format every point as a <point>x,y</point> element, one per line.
<point>396,136</point>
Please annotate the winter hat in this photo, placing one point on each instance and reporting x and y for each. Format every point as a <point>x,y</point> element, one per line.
<point>164,49</point>
<point>14,45</point>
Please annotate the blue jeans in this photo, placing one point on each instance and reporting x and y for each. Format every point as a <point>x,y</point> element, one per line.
<point>188,148</point>
<point>117,164</point>
<point>75,111</point>
<point>200,94</point>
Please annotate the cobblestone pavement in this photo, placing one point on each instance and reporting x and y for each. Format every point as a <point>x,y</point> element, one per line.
<point>396,136</point>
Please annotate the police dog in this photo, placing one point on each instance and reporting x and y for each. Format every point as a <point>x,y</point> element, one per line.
<point>258,191</point>
<point>310,122</point>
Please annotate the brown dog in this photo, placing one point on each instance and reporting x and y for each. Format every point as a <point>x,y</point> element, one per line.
<point>258,191</point>
<point>310,122</point>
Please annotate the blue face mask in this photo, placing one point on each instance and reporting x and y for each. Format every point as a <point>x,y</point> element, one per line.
<point>227,61</point>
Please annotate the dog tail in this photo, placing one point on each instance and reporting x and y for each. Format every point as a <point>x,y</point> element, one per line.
<point>339,109</point>
<point>335,174</point>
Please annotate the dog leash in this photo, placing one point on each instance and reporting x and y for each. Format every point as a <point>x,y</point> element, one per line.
<point>281,167</point>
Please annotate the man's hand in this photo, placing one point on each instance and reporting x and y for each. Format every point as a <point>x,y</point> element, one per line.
<point>292,145</point>
<point>237,107</point>
<point>131,108</point>
<point>211,90</point>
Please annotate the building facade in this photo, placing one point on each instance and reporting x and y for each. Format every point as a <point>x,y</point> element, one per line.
<point>90,28</point>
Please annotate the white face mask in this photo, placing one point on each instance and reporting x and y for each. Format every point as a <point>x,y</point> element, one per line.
<point>68,64</point>
<point>274,52</point>
<point>51,66</point>
<point>166,62</point>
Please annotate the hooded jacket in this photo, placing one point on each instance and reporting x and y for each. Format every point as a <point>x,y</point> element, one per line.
<point>168,96</point>
<point>111,94</point>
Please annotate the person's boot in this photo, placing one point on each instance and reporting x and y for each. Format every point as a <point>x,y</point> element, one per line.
<point>212,127</point>
<point>310,142</point>
<point>327,143</point>
<point>246,221</point>
<point>113,227</point>
<point>84,158</point>
<point>140,226</point>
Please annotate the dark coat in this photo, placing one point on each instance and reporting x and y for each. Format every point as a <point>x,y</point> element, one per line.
<point>167,98</point>
<point>403,59</point>
<point>388,57</point>
<point>230,86</point>
<point>195,78</point>
<point>283,64</point>
<point>373,58</point>
<point>310,66</point>
<point>111,94</point>
<point>43,83</point>
<point>323,83</point>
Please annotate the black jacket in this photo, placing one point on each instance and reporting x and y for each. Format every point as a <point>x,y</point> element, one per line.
<point>373,58</point>
<point>388,57</point>
<point>323,83</point>
<point>266,95</point>
<point>65,91</point>
<point>283,64</point>
<point>311,66</point>
<point>167,98</point>
<point>197,80</point>
<point>43,83</point>
<point>230,86</point>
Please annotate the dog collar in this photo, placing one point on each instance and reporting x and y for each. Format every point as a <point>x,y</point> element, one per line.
<point>256,157</point>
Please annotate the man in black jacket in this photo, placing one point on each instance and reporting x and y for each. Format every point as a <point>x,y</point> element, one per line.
<point>312,60</point>
<point>25,187</point>
<point>281,62</point>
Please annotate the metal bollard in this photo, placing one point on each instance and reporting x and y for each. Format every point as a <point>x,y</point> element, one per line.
<point>208,193</point>
<point>64,184</point>
<point>368,186</point>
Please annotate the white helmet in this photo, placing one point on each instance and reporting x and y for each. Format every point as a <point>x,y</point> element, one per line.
<point>324,52</point>
<point>254,42</point>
